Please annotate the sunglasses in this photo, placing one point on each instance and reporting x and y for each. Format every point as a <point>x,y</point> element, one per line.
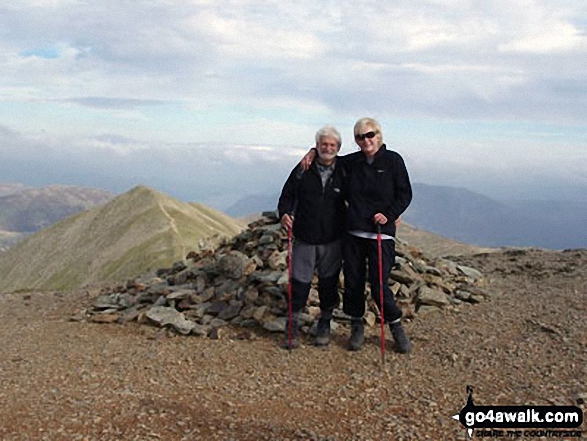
<point>365,135</point>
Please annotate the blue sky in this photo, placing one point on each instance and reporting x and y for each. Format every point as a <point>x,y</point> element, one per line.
<point>211,100</point>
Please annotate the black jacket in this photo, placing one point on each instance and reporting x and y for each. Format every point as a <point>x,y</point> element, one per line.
<point>380,187</point>
<point>319,213</point>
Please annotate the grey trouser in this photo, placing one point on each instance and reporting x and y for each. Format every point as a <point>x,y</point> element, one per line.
<point>326,259</point>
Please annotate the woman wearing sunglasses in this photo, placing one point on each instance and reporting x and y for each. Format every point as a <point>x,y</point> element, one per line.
<point>378,191</point>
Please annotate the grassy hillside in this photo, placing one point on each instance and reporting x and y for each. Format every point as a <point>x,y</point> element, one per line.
<point>134,233</point>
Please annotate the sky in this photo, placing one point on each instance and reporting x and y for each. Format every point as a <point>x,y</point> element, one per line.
<point>212,100</point>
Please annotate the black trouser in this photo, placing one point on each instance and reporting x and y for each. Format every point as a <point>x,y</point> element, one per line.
<point>327,293</point>
<point>358,251</point>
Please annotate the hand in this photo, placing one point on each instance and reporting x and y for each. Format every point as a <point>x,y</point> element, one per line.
<point>398,221</point>
<point>307,159</point>
<point>287,221</point>
<point>380,218</point>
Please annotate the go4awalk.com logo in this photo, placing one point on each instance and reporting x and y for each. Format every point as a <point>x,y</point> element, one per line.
<point>520,421</point>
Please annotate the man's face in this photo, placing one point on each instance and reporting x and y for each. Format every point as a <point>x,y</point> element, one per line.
<point>327,149</point>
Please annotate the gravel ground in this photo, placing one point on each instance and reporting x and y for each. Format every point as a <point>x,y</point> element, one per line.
<point>65,380</point>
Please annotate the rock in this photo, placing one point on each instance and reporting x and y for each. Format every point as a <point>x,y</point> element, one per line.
<point>251,296</point>
<point>432,297</point>
<point>402,277</point>
<point>265,276</point>
<point>178,266</point>
<point>432,270</point>
<point>179,294</point>
<point>218,323</point>
<point>469,272</point>
<point>244,282</point>
<point>164,316</point>
<point>105,318</point>
<point>266,239</point>
<point>231,311</point>
<point>314,311</point>
<point>370,318</point>
<point>202,330</point>
<point>427,309</point>
<point>276,325</point>
<point>260,313</point>
<point>233,264</point>
<point>106,302</point>
<point>278,260</point>
<point>228,290</point>
<point>463,295</point>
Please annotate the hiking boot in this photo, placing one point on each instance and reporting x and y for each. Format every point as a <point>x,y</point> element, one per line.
<point>323,331</point>
<point>295,343</point>
<point>402,342</point>
<point>357,334</point>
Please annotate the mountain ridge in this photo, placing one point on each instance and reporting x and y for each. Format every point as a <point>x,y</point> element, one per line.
<point>134,233</point>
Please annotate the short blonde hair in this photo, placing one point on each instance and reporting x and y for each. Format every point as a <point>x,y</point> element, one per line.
<point>367,122</point>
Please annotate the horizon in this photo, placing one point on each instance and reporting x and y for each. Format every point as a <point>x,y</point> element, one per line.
<point>222,99</point>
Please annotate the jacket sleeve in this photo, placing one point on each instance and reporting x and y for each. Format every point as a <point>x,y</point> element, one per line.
<point>289,193</point>
<point>402,196</point>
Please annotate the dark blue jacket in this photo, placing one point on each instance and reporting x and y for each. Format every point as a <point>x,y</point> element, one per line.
<point>381,187</point>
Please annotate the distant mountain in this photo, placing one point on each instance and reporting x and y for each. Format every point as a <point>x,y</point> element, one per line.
<point>27,210</point>
<point>255,203</point>
<point>475,219</point>
<point>10,188</point>
<point>132,234</point>
<point>435,245</point>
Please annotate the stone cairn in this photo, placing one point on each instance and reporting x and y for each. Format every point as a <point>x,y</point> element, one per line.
<point>244,282</point>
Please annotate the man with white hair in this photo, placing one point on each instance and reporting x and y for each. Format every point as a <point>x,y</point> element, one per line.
<point>312,203</point>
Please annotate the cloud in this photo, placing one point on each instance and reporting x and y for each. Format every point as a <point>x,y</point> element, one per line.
<point>157,75</point>
<point>113,103</point>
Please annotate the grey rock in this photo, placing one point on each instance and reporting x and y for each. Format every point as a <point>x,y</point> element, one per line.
<point>180,294</point>
<point>427,309</point>
<point>432,297</point>
<point>470,272</point>
<point>433,270</point>
<point>164,316</point>
<point>401,277</point>
<point>463,295</point>
<point>216,308</point>
<point>277,325</point>
<point>106,302</point>
<point>218,323</point>
<point>201,330</point>
<point>161,301</point>
<point>265,276</point>
<point>231,311</point>
<point>233,264</point>
<point>266,239</point>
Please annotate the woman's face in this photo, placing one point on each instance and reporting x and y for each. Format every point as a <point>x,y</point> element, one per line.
<point>369,140</point>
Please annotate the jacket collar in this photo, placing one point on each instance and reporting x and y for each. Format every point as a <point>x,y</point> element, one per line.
<point>377,155</point>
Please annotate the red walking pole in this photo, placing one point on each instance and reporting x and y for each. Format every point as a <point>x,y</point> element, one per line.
<point>380,261</point>
<point>289,288</point>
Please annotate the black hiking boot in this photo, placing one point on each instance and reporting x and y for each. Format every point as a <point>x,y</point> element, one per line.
<point>402,342</point>
<point>323,329</point>
<point>295,343</point>
<point>357,334</point>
